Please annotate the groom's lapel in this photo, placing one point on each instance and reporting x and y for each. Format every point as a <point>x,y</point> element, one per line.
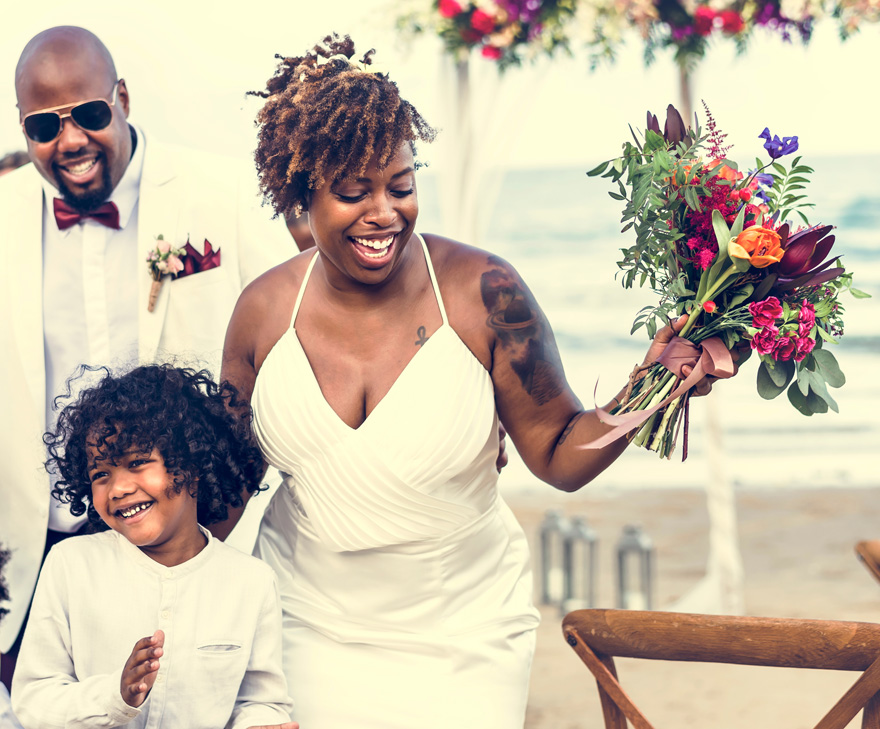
<point>158,213</point>
<point>24,231</point>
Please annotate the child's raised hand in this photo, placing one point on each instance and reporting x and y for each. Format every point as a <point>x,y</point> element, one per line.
<point>141,669</point>
<point>285,725</point>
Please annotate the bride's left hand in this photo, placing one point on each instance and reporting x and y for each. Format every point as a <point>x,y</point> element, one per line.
<point>664,336</point>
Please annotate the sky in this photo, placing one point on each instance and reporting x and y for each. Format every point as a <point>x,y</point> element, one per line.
<point>188,65</point>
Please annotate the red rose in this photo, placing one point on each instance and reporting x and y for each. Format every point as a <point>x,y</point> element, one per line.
<point>482,22</point>
<point>704,19</point>
<point>785,349</point>
<point>806,318</point>
<point>765,340</point>
<point>448,8</point>
<point>731,21</point>
<point>491,52</point>
<point>765,313</point>
<point>803,347</point>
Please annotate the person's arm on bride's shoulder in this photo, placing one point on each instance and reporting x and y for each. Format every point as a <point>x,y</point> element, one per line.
<point>544,418</point>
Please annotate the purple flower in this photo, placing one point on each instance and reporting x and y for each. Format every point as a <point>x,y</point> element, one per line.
<point>777,148</point>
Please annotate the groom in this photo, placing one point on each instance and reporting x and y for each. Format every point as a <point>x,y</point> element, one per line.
<point>76,227</point>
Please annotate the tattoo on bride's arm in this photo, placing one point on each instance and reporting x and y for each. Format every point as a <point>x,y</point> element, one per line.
<point>515,318</point>
<point>422,337</point>
<point>568,429</point>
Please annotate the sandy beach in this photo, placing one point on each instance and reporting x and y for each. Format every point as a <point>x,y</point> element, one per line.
<point>798,560</point>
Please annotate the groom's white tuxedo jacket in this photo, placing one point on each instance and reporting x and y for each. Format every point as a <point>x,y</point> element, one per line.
<point>183,194</point>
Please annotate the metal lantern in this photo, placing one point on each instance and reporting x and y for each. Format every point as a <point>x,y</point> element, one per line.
<point>579,560</point>
<point>551,536</point>
<point>635,569</point>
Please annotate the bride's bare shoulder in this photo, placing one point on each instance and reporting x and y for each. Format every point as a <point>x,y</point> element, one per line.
<point>277,284</point>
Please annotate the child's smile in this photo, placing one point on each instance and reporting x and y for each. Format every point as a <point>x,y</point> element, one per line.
<point>129,512</point>
<point>134,496</point>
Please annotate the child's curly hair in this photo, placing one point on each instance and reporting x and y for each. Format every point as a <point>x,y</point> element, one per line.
<point>325,119</point>
<point>202,430</point>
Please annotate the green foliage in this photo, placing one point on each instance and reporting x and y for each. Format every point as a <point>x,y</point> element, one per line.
<point>642,175</point>
<point>785,194</point>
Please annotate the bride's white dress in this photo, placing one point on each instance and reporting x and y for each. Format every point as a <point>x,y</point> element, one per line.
<point>405,579</point>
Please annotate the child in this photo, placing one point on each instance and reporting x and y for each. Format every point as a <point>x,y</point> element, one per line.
<point>152,454</point>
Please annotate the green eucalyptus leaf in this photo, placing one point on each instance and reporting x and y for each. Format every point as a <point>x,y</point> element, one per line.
<point>803,381</point>
<point>767,388</point>
<point>799,400</point>
<point>858,294</point>
<point>780,372</point>
<point>819,404</point>
<point>829,367</point>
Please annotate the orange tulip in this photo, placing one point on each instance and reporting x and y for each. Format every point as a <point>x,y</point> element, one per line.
<point>761,247</point>
<point>725,172</point>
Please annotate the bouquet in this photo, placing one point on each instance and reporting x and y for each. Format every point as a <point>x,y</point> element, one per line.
<point>716,244</point>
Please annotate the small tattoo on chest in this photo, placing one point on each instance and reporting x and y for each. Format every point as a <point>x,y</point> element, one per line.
<point>422,336</point>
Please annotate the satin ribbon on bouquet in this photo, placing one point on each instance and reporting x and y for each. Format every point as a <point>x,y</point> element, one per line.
<point>709,357</point>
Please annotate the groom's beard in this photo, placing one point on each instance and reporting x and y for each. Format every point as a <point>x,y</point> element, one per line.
<point>88,201</point>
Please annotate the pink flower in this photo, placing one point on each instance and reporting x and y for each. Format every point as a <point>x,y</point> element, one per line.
<point>785,349</point>
<point>491,52</point>
<point>175,265</point>
<point>806,318</point>
<point>804,345</point>
<point>482,22</point>
<point>731,21</point>
<point>765,340</point>
<point>163,245</point>
<point>448,8</point>
<point>704,18</point>
<point>765,313</point>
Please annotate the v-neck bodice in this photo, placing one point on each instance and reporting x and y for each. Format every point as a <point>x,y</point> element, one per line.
<point>415,468</point>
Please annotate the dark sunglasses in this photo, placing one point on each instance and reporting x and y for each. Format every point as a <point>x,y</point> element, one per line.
<point>92,116</point>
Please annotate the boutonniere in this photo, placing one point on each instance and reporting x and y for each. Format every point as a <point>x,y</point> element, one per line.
<point>162,261</point>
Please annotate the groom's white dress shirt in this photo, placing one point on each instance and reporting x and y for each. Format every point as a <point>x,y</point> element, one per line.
<point>89,298</point>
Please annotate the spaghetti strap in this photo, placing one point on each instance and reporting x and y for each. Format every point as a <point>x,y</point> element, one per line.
<point>433,278</point>
<point>302,289</point>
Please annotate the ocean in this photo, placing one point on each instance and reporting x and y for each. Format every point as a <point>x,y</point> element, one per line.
<point>560,229</point>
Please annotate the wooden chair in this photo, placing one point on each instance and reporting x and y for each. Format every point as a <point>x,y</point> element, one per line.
<point>599,635</point>
<point>869,555</point>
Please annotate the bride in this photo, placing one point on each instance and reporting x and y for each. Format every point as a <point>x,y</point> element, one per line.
<point>378,367</point>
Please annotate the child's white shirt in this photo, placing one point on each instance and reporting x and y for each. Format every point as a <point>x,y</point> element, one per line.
<point>99,594</point>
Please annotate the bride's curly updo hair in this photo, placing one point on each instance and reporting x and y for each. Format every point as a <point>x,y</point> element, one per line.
<point>326,117</point>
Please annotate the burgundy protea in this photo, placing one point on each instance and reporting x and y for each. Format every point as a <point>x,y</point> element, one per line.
<point>804,261</point>
<point>674,130</point>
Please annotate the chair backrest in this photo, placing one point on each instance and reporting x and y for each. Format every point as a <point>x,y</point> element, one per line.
<point>599,635</point>
<point>868,553</point>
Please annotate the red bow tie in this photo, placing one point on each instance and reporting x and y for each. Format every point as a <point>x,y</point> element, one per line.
<point>66,216</point>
